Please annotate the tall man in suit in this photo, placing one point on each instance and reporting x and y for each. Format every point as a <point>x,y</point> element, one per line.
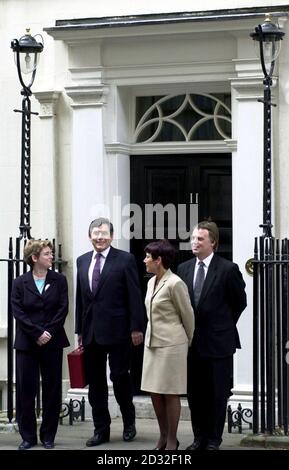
<point>218,297</point>
<point>109,316</point>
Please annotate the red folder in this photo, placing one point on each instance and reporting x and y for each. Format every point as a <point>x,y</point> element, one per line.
<point>76,368</point>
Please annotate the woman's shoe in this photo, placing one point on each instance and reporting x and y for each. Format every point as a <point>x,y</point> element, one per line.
<point>177,446</point>
<point>160,448</point>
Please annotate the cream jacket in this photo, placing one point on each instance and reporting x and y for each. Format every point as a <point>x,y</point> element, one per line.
<point>169,310</point>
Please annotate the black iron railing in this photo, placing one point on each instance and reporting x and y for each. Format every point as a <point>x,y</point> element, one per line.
<point>74,409</point>
<point>239,418</point>
<point>270,336</point>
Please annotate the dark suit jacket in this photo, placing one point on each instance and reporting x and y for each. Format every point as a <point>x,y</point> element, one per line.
<point>117,308</point>
<point>222,301</point>
<point>36,313</point>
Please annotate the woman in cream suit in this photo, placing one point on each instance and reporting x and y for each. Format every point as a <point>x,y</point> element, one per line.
<point>169,332</point>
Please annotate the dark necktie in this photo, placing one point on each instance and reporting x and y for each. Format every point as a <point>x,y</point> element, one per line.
<point>96,273</point>
<point>200,277</point>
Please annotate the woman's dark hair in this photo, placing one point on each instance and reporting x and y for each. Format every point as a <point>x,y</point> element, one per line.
<point>164,249</point>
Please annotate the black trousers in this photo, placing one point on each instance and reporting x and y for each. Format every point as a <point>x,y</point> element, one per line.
<point>119,363</point>
<point>28,365</point>
<point>209,386</point>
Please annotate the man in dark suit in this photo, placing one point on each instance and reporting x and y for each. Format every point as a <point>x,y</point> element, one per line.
<point>218,297</point>
<point>109,317</point>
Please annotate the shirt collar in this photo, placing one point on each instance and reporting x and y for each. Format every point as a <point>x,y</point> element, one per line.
<point>207,260</point>
<point>104,253</point>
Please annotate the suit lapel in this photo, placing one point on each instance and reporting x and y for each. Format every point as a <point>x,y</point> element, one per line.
<point>188,277</point>
<point>85,268</point>
<point>161,283</point>
<point>49,281</point>
<point>150,288</point>
<point>30,284</point>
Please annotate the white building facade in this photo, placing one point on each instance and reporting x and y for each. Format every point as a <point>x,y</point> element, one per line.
<point>96,64</point>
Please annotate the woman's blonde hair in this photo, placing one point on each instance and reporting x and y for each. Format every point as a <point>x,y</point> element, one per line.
<point>34,247</point>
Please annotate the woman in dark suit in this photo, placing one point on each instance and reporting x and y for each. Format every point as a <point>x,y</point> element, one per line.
<point>39,304</point>
<point>169,332</point>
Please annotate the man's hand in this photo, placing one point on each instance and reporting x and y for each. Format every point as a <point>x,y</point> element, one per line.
<point>79,339</point>
<point>44,338</point>
<point>136,337</point>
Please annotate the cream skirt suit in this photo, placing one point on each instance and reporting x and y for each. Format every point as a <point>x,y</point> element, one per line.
<point>169,332</point>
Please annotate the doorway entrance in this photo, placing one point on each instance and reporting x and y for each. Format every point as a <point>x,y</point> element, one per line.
<point>180,181</point>
<point>203,180</point>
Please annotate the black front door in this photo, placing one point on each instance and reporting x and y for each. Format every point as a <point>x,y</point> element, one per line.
<point>190,188</point>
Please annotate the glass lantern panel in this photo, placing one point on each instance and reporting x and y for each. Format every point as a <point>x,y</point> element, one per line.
<point>28,62</point>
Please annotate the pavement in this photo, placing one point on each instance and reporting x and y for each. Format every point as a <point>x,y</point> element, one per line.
<point>73,437</point>
<point>70,442</point>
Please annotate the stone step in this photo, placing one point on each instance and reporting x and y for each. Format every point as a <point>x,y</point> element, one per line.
<point>144,408</point>
<point>143,405</point>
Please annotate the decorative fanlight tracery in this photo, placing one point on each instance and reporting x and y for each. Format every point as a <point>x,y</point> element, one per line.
<point>184,117</point>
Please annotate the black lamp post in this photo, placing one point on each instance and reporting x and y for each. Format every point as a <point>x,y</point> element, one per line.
<point>270,281</point>
<point>269,37</point>
<point>27,51</point>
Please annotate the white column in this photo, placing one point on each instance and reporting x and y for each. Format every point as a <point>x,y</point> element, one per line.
<point>89,177</point>
<point>247,175</point>
<point>47,182</point>
<point>119,197</point>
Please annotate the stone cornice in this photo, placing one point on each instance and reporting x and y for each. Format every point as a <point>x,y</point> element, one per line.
<point>132,21</point>
<point>248,82</point>
<point>164,148</point>
<point>87,95</point>
<point>250,88</point>
<point>48,100</point>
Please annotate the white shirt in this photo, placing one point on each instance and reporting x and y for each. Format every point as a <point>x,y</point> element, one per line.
<point>104,254</point>
<point>206,262</point>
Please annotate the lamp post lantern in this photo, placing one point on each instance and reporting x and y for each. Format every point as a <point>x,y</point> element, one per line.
<point>26,51</point>
<point>268,39</point>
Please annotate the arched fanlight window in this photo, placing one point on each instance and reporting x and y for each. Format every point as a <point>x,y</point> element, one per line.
<point>184,117</point>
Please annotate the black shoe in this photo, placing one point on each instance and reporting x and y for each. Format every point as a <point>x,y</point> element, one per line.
<point>98,438</point>
<point>48,444</point>
<point>176,448</point>
<point>196,445</point>
<point>160,448</point>
<point>129,433</point>
<point>25,445</point>
<point>213,447</point>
